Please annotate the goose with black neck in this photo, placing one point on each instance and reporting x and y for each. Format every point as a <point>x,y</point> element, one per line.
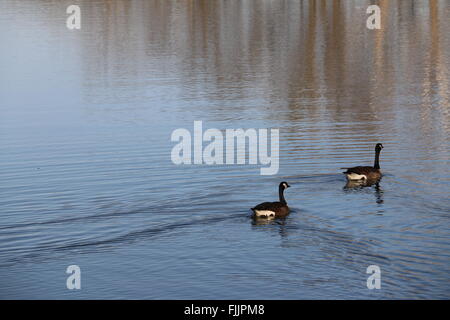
<point>278,209</point>
<point>366,172</point>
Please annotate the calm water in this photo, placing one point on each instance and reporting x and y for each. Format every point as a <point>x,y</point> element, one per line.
<point>86,176</point>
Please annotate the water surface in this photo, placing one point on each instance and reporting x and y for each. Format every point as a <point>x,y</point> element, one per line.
<point>85,123</point>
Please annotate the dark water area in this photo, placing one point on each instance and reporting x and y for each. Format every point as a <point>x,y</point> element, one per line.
<point>86,118</point>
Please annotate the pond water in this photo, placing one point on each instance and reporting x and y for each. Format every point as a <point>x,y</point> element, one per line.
<point>86,118</point>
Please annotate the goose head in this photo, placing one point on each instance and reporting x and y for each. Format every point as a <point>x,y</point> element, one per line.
<point>284,185</point>
<point>378,147</point>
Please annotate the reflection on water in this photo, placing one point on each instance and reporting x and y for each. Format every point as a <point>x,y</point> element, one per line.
<point>85,123</point>
<point>358,185</point>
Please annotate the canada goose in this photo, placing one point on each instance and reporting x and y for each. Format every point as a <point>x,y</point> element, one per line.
<point>366,173</point>
<point>273,209</point>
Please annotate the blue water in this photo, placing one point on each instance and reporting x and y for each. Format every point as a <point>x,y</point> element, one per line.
<point>86,118</point>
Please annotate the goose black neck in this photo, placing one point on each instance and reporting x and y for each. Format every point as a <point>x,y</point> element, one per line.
<point>376,164</point>
<point>281,193</point>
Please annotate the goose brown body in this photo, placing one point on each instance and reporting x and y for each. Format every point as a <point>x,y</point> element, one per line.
<point>370,173</point>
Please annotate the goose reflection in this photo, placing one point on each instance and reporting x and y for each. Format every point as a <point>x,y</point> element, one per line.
<point>278,225</point>
<point>361,184</point>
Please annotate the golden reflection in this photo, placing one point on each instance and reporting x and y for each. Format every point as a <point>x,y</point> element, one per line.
<point>293,60</point>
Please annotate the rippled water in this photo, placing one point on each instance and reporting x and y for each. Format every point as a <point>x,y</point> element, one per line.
<point>86,118</point>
